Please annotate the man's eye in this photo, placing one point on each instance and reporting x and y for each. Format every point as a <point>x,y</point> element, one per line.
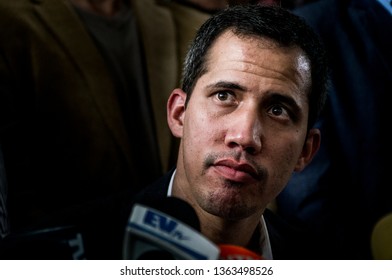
<point>227,97</point>
<point>280,112</point>
<point>223,95</point>
<point>277,110</point>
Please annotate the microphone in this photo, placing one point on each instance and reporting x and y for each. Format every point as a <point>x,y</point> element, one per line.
<point>234,252</point>
<point>381,239</point>
<point>56,243</point>
<point>167,229</point>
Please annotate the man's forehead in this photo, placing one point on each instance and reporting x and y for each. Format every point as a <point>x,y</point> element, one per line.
<point>232,48</point>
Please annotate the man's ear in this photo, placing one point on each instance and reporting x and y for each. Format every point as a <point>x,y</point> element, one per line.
<point>176,111</point>
<point>309,150</point>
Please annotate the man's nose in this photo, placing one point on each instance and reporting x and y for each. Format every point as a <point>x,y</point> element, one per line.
<point>245,131</point>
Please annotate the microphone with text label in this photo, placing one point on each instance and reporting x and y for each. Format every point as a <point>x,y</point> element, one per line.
<point>166,229</point>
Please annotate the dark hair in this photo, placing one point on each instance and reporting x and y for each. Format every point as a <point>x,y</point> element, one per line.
<point>272,22</point>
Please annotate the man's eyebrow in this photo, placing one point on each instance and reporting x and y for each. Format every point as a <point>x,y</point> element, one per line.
<point>284,99</point>
<point>226,85</point>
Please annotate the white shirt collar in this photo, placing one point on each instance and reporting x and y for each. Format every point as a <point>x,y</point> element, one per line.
<point>265,243</point>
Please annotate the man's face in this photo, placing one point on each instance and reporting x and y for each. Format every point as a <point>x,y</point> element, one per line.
<point>244,130</point>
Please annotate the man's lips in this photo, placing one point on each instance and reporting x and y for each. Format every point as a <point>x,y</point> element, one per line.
<point>234,171</point>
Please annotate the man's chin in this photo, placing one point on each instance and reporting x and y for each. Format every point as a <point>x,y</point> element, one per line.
<point>229,212</point>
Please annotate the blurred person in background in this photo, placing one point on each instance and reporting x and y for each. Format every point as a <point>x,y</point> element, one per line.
<point>82,121</point>
<point>342,194</point>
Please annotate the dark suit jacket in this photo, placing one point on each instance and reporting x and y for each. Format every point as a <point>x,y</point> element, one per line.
<point>342,193</point>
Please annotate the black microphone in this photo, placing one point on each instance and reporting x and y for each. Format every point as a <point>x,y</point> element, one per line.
<point>55,243</point>
<point>166,229</point>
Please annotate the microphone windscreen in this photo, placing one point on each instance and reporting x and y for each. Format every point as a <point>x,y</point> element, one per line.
<point>233,252</point>
<point>166,229</point>
<point>381,239</point>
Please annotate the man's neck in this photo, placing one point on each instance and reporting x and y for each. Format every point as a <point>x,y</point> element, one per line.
<point>106,8</point>
<point>228,232</point>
